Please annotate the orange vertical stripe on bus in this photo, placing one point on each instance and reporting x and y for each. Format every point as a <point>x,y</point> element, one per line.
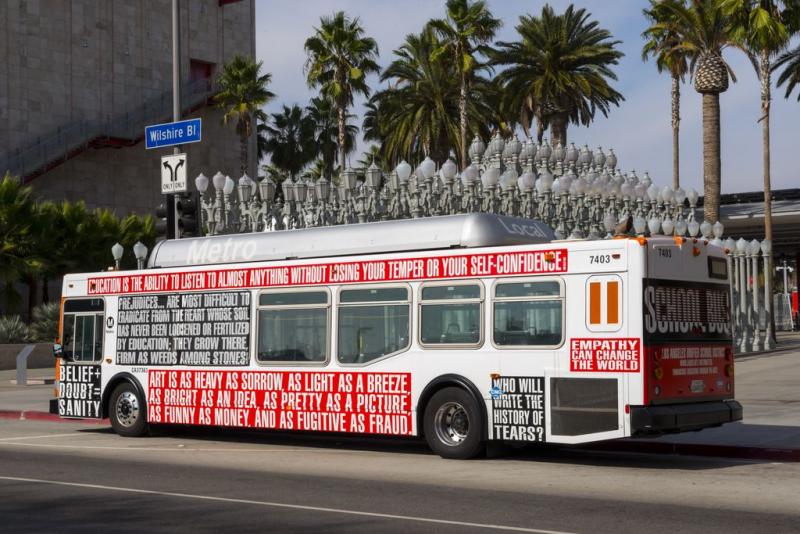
<point>612,302</point>
<point>60,338</point>
<point>594,303</point>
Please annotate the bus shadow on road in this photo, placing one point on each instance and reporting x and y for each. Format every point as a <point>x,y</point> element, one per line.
<point>585,456</point>
<point>540,453</point>
<point>311,440</point>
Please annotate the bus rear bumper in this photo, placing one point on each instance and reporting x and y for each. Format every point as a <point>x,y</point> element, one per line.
<point>682,417</point>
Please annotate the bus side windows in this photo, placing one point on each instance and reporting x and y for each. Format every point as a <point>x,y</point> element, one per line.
<point>372,323</point>
<point>82,330</point>
<point>451,315</point>
<point>293,327</point>
<point>528,314</point>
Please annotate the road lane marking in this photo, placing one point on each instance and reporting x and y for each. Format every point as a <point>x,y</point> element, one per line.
<point>286,506</point>
<point>176,448</point>
<point>44,436</point>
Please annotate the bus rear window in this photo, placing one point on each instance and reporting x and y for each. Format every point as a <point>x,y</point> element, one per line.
<point>681,311</point>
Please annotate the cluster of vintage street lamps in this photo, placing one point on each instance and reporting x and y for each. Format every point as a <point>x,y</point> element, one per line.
<point>751,310</point>
<point>578,192</point>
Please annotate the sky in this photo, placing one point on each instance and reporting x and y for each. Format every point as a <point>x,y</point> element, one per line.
<point>639,129</point>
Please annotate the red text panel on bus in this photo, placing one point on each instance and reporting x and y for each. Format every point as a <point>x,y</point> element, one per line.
<point>394,270</point>
<point>691,371</point>
<point>366,403</point>
<point>605,355</point>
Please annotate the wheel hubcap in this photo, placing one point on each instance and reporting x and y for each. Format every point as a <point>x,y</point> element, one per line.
<point>451,423</point>
<point>127,409</point>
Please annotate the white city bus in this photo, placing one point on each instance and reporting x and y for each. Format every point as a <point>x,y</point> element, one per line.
<point>461,329</point>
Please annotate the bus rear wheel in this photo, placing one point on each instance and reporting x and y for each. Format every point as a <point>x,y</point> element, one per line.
<point>126,411</point>
<point>452,424</point>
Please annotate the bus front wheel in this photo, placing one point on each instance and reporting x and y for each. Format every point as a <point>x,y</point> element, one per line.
<point>452,424</point>
<point>126,411</point>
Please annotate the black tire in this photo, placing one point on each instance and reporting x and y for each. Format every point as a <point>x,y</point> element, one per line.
<point>453,424</point>
<point>126,410</point>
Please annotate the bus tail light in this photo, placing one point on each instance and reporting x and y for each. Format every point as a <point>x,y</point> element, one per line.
<point>728,370</point>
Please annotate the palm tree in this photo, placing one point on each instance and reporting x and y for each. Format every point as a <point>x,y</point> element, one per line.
<point>661,43</point>
<point>790,63</point>
<point>372,154</point>
<point>261,139</point>
<point>559,70</point>
<point>466,31</point>
<point>18,251</point>
<point>339,59</point>
<point>418,114</point>
<point>704,31</point>
<point>315,170</point>
<point>323,114</point>
<point>762,29</point>
<point>290,140</point>
<point>242,93</point>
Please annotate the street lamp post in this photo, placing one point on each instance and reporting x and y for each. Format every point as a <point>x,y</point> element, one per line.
<point>140,251</point>
<point>117,251</point>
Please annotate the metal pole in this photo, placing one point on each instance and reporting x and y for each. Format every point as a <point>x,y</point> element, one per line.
<point>743,302</point>
<point>769,341</point>
<point>786,279</point>
<point>756,313</point>
<point>176,97</point>
<point>176,63</point>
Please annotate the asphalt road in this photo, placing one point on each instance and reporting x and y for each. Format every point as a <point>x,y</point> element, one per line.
<point>69,477</point>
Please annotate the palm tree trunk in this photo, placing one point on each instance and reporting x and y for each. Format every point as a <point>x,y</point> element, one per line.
<point>558,129</point>
<point>462,110</point>
<point>243,152</point>
<point>765,105</point>
<point>712,165</point>
<point>766,96</point>
<point>676,120</point>
<point>341,137</point>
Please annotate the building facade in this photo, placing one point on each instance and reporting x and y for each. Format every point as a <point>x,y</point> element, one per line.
<point>80,79</point>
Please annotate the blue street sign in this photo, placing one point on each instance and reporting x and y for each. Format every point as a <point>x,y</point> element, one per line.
<point>173,133</point>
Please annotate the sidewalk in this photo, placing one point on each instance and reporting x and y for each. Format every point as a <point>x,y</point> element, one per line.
<point>767,385</point>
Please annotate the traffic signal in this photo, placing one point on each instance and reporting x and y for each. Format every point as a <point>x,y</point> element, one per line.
<point>186,205</point>
<point>165,218</point>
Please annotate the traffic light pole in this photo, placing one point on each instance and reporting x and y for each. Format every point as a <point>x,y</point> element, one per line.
<point>171,204</point>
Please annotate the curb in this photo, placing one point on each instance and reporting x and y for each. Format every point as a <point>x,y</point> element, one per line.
<point>34,415</point>
<point>778,454</point>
